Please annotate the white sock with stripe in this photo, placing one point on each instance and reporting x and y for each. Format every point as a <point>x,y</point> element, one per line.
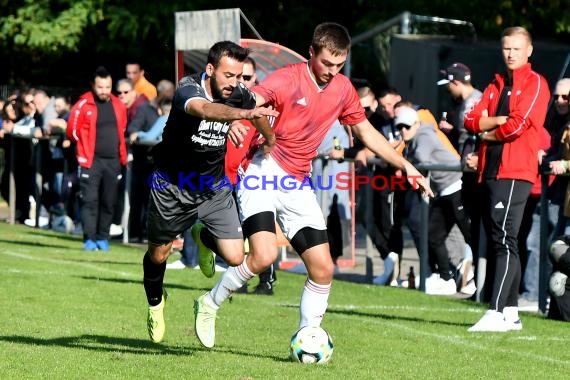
<point>314,302</point>
<point>232,279</point>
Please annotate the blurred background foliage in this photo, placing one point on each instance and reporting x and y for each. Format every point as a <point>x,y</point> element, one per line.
<point>60,42</point>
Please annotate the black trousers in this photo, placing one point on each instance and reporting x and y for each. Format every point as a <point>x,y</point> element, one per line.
<point>98,187</point>
<point>471,196</point>
<point>23,174</point>
<point>388,213</point>
<point>504,201</point>
<point>139,198</point>
<point>446,211</point>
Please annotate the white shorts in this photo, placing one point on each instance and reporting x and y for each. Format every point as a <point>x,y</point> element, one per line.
<point>266,187</point>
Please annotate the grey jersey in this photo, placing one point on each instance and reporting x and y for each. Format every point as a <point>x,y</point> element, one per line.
<point>465,107</point>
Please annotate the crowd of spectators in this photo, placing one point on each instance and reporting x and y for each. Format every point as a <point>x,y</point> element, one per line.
<point>43,160</point>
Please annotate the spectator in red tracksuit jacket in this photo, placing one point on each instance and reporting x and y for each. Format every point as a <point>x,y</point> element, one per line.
<point>97,123</point>
<point>509,120</point>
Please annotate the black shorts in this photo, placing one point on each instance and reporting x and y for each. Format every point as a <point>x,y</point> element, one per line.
<point>172,211</point>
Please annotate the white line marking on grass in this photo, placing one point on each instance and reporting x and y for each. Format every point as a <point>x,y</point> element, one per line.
<point>393,307</point>
<point>389,307</point>
<point>458,340</point>
<point>405,308</point>
<point>68,262</point>
<point>455,339</point>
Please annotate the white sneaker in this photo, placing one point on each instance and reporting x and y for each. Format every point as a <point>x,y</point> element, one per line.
<point>441,287</point>
<point>511,314</point>
<point>391,271</point>
<point>178,264</point>
<point>470,288</point>
<point>44,222</point>
<point>491,321</point>
<point>432,277</point>
<point>116,230</point>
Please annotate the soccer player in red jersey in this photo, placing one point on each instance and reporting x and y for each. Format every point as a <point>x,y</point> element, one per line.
<point>309,97</point>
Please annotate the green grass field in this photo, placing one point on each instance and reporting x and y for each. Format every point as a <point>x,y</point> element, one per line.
<point>67,314</point>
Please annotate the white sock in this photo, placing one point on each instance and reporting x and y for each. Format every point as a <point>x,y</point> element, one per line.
<point>314,302</point>
<point>232,279</point>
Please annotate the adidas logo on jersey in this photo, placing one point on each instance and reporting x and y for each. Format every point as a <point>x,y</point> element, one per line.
<point>499,205</point>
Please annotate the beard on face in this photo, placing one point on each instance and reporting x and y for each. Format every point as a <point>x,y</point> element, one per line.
<point>216,91</point>
<point>102,97</point>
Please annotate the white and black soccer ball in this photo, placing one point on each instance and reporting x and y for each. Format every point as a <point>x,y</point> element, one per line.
<point>311,344</point>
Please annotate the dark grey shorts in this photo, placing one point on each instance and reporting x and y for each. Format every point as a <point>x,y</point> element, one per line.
<point>173,210</point>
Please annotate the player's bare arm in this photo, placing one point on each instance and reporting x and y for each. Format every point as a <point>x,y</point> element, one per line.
<point>378,144</point>
<point>216,111</point>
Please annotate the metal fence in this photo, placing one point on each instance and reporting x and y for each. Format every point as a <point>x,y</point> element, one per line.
<point>367,195</point>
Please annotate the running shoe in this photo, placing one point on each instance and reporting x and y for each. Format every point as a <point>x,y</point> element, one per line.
<point>205,322</point>
<point>155,320</point>
<point>206,258</point>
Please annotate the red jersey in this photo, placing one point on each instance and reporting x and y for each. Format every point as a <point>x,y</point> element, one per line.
<point>234,154</point>
<point>306,113</point>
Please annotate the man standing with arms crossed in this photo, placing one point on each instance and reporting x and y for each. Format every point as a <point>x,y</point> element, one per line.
<point>508,119</point>
<point>309,97</point>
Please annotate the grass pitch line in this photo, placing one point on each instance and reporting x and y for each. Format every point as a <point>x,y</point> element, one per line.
<point>351,307</point>
<point>72,263</point>
<point>460,341</point>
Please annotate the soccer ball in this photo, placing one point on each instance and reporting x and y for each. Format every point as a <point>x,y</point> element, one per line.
<point>311,344</point>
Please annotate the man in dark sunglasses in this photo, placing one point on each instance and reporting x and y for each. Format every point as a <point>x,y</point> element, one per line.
<point>560,97</point>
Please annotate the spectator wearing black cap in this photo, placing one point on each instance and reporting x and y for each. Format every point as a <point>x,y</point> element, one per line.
<point>457,80</point>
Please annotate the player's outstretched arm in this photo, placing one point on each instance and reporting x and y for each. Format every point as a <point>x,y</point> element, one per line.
<point>378,144</point>
<point>216,111</point>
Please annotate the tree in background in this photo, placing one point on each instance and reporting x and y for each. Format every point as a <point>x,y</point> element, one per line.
<point>59,42</point>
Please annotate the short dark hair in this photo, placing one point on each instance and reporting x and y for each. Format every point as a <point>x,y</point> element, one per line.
<point>135,62</point>
<point>100,72</point>
<point>332,36</point>
<point>389,90</point>
<point>226,49</point>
